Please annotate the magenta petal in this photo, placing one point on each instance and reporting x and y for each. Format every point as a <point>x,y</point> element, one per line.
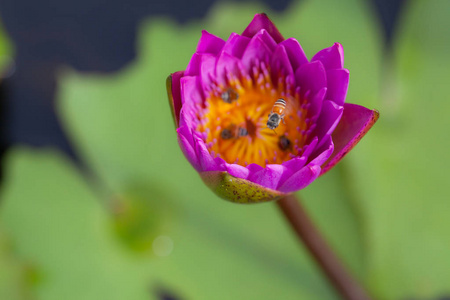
<point>316,103</point>
<point>300,179</point>
<point>295,52</point>
<point>205,159</point>
<point>174,93</point>
<point>311,77</point>
<point>267,39</point>
<point>209,43</point>
<point>328,120</point>
<point>237,170</point>
<point>187,147</point>
<point>207,71</point>
<point>261,21</point>
<point>337,85</point>
<point>324,152</point>
<point>226,65</point>
<point>332,57</point>
<point>236,45</point>
<point>191,93</point>
<point>280,62</point>
<point>355,123</point>
<point>268,176</point>
<point>256,52</point>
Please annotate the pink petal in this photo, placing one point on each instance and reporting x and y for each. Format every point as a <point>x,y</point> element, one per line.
<point>268,176</point>
<point>205,159</point>
<point>236,45</point>
<point>355,123</point>
<point>280,63</point>
<point>226,65</point>
<point>207,71</point>
<point>311,77</point>
<point>193,67</point>
<point>174,93</point>
<point>187,147</point>
<point>332,57</point>
<point>237,170</point>
<point>209,43</point>
<point>316,103</point>
<point>256,51</point>
<point>324,152</point>
<point>191,92</point>
<point>337,85</point>
<point>295,52</point>
<point>329,118</point>
<point>300,179</point>
<point>261,21</point>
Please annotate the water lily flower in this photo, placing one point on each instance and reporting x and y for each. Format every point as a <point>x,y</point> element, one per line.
<point>222,102</point>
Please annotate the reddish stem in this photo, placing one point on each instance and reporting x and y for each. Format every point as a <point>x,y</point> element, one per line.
<point>336,273</point>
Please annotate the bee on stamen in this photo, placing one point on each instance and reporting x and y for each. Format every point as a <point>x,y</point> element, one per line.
<point>233,131</point>
<point>229,95</point>
<point>277,114</point>
<point>284,143</point>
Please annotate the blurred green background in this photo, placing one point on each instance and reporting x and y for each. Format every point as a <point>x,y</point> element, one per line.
<point>134,221</point>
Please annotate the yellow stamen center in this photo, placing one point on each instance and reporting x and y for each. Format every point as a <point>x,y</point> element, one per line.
<point>234,120</point>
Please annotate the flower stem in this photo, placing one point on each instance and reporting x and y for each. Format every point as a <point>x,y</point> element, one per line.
<point>336,273</point>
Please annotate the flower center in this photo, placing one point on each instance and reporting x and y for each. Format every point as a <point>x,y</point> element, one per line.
<point>236,124</point>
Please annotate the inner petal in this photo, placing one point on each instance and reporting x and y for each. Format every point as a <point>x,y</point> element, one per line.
<point>234,118</point>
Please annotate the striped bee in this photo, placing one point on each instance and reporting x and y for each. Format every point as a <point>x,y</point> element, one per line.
<point>233,131</point>
<point>229,95</point>
<point>277,114</point>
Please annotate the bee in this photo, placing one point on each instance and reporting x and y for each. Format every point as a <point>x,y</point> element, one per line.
<point>233,131</point>
<point>284,143</point>
<point>229,95</point>
<point>277,114</point>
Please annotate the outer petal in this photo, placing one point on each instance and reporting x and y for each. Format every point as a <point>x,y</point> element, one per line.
<point>174,95</point>
<point>238,190</point>
<point>236,45</point>
<point>311,77</point>
<point>262,21</point>
<point>269,176</point>
<point>329,118</point>
<point>337,83</point>
<point>355,123</point>
<point>332,57</point>
<point>295,53</point>
<point>209,43</point>
<point>187,147</point>
<point>300,179</point>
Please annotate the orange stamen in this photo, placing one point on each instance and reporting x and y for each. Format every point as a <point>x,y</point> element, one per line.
<point>256,97</point>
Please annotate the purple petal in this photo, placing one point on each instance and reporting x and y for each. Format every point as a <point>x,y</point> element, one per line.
<point>316,103</point>
<point>236,45</point>
<point>324,152</point>
<point>280,63</point>
<point>300,179</point>
<point>226,65</point>
<point>261,21</point>
<point>237,170</point>
<point>268,176</point>
<point>295,52</point>
<point>205,159</point>
<point>256,51</point>
<point>332,57</point>
<point>191,93</point>
<point>311,77</point>
<point>329,118</point>
<point>174,93</point>
<point>193,67</point>
<point>187,147</point>
<point>209,43</point>
<point>267,39</point>
<point>207,71</point>
<point>337,85</point>
<point>355,123</point>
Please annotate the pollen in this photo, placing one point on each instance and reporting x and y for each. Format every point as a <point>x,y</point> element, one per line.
<point>235,115</point>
